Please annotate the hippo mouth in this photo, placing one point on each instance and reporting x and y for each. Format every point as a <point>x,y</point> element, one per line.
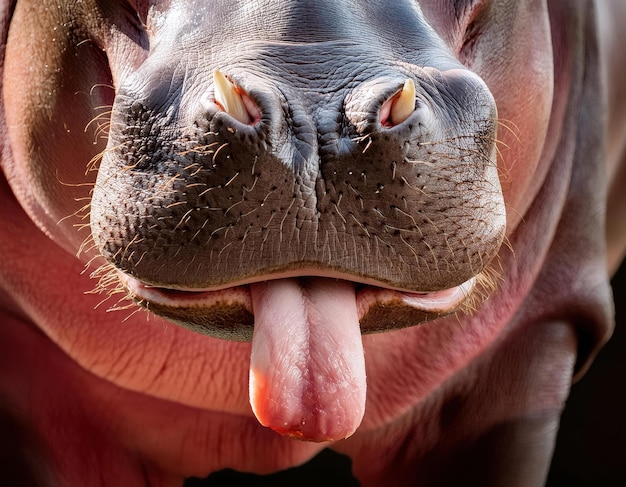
<point>307,370</point>
<point>228,312</point>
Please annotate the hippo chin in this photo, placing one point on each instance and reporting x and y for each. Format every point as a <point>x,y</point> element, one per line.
<point>298,185</point>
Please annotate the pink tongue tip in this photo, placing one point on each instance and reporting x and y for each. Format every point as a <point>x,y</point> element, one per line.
<point>307,369</point>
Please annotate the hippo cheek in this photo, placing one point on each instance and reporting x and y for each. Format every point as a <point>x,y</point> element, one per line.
<point>299,221</point>
<point>53,124</point>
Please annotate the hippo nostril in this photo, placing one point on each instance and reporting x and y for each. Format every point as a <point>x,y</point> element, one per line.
<point>399,107</point>
<point>234,100</point>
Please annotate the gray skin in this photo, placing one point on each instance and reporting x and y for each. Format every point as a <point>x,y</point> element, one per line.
<point>117,155</point>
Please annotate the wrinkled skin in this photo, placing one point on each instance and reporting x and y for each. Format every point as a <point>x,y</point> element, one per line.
<point>315,217</point>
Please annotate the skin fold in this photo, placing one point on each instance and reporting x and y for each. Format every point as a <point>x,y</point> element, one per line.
<point>140,241</point>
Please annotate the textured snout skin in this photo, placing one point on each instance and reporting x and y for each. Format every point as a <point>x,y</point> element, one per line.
<point>236,233</point>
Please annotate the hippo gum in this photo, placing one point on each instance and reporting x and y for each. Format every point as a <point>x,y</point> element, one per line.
<point>236,233</point>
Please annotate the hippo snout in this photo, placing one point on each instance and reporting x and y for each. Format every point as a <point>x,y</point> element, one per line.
<point>387,180</point>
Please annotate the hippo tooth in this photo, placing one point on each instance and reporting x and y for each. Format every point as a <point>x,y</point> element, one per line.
<point>229,99</point>
<point>404,103</point>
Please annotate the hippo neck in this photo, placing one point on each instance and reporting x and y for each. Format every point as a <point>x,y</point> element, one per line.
<point>569,201</point>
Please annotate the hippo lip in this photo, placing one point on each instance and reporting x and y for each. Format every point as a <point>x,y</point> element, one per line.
<point>379,308</point>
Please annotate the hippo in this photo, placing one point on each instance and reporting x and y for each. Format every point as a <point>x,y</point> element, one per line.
<point>237,233</point>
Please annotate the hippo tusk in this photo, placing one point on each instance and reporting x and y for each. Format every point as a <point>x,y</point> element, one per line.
<point>233,101</point>
<point>404,104</point>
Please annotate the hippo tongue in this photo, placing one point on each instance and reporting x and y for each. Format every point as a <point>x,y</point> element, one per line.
<point>307,370</point>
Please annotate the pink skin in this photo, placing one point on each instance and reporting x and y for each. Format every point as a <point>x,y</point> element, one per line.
<point>150,400</point>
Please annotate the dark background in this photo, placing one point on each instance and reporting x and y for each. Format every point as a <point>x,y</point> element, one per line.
<point>591,446</point>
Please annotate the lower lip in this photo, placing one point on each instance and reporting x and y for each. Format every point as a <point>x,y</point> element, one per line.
<point>439,302</point>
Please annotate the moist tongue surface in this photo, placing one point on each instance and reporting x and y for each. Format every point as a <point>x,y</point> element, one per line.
<point>307,369</point>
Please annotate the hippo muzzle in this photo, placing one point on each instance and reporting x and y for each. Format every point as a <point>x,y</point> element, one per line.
<point>270,160</point>
<point>294,184</point>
